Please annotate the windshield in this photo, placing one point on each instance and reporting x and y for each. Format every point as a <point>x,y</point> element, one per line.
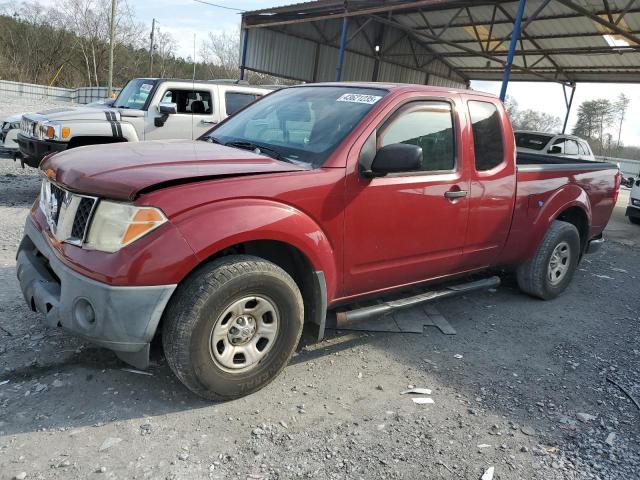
<point>134,95</point>
<point>298,124</point>
<point>534,141</point>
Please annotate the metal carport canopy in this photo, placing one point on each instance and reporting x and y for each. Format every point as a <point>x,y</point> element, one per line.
<point>446,42</point>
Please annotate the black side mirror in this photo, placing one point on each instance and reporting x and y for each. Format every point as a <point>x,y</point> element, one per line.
<point>555,150</point>
<point>397,157</point>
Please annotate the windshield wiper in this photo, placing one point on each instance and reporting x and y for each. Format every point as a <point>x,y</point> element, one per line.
<point>273,153</point>
<point>212,139</point>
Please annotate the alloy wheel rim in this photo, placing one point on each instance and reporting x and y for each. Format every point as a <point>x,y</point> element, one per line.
<point>244,333</point>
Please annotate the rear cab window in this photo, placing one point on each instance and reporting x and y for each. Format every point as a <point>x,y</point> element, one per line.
<point>235,101</point>
<point>532,141</point>
<point>487,135</point>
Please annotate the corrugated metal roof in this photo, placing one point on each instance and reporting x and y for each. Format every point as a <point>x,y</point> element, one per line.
<point>453,40</point>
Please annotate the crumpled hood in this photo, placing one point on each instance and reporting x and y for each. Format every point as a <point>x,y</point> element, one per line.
<point>120,171</point>
<point>80,112</point>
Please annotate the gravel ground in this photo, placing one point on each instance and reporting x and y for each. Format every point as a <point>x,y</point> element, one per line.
<point>522,387</point>
<point>15,105</point>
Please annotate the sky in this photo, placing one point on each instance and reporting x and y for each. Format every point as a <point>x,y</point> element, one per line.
<point>548,97</point>
<point>183,18</point>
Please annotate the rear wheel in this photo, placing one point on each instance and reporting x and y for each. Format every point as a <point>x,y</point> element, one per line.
<point>232,327</point>
<point>548,273</point>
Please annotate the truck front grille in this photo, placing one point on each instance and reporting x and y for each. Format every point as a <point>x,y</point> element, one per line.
<point>68,214</point>
<point>81,220</point>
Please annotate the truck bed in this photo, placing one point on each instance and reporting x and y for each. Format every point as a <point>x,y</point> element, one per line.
<point>539,162</point>
<point>548,183</point>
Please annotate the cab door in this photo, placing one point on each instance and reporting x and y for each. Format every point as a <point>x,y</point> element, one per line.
<point>204,109</point>
<point>408,227</point>
<point>493,182</point>
<point>160,126</point>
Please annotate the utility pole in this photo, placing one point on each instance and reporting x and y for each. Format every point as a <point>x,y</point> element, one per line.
<point>111,40</point>
<point>153,27</point>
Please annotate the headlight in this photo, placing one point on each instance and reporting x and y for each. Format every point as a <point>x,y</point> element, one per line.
<point>53,131</point>
<point>115,225</point>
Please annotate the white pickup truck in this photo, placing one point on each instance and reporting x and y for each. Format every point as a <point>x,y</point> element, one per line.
<point>560,144</point>
<point>633,209</point>
<point>145,109</point>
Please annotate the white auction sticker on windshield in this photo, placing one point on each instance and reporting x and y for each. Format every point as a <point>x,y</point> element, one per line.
<point>146,87</point>
<point>358,98</point>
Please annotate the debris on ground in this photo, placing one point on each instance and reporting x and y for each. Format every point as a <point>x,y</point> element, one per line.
<point>488,474</point>
<point>108,443</point>
<point>423,400</point>
<point>139,372</point>
<point>417,390</point>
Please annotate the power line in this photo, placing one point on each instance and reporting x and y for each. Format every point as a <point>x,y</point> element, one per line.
<point>220,6</point>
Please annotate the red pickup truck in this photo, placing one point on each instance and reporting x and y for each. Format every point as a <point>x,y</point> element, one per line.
<point>307,199</point>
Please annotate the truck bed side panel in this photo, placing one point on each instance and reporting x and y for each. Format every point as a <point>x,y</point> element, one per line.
<point>542,194</point>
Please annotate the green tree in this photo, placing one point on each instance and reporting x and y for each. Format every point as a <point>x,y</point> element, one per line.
<point>594,118</point>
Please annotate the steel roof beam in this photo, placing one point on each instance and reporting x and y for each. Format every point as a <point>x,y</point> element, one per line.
<point>419,35</point>
<point>475,29</point>
<point>611,26</point>
<point>541,70</point>
<point>544,52</point>
<point>539,37</point>
<point>624,11</point>
<point>534,43</point>
<point>343,11</point>
<point>530,19</point>
<point>409,33</point>
<point>562,16</point>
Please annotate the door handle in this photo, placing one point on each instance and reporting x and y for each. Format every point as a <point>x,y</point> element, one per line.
<point>453,194</point>
<point>208,122</point>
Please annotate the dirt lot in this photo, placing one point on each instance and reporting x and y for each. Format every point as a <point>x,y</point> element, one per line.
<point>521,387</point>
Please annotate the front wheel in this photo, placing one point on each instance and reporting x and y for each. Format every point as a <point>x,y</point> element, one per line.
<point>635,220</point>
<point>548,273</point>
<point>232,326</point>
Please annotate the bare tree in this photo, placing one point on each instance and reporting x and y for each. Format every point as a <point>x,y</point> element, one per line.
<point>220,54</point>
<point>620,111</point>
<point>530,119</point>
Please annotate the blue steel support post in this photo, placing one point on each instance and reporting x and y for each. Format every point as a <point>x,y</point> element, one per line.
<point>243,61</point>
<point>343,46</point>
<point>515,36</point>
<point>569,103</point>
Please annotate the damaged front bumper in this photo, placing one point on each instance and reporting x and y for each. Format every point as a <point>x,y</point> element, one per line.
<point>123,319</point>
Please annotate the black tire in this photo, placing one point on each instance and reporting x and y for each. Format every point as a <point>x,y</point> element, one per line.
<point>195,309</point>
<point>533,276</point>
<point>635,220</point>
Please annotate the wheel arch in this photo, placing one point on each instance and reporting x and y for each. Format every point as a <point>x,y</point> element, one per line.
<point>577,216</point>
<point>272,230</point>
<point>296,263</point>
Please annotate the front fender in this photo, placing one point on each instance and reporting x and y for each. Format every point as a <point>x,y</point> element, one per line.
<point>213,227</point>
